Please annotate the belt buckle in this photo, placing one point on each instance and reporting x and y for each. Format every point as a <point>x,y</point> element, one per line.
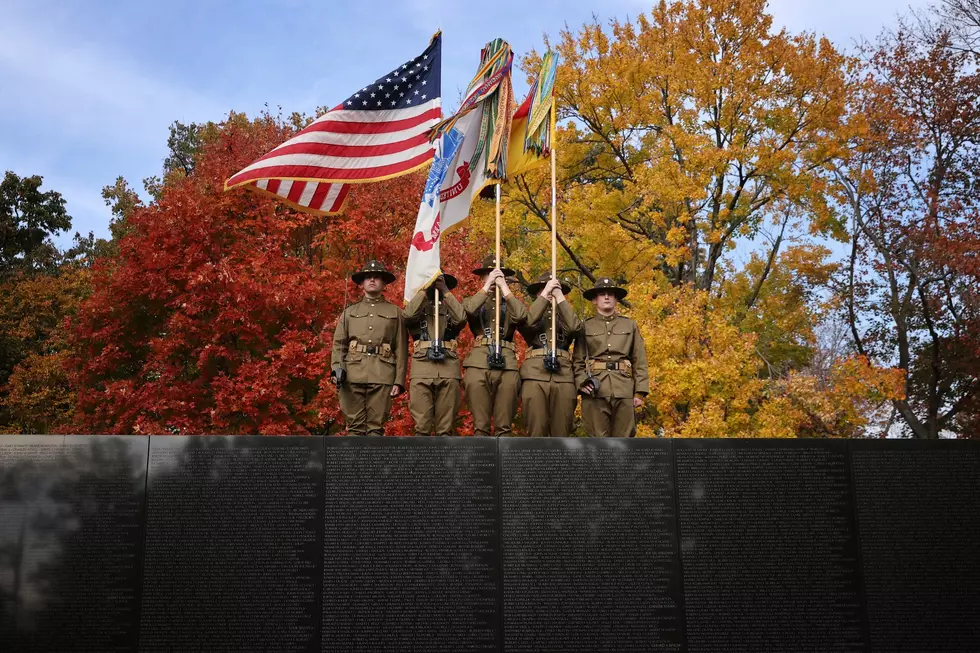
<point>610,365</point>
<point>371,350</point>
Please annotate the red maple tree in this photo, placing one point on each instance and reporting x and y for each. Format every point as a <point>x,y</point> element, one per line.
<point>217,314</point>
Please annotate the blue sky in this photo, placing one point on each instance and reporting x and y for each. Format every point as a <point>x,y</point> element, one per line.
<point>88,88</point>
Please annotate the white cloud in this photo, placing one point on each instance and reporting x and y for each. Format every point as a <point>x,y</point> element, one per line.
<point>85,91</point>
<point>80,113</point>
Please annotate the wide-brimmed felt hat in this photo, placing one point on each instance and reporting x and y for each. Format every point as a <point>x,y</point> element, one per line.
<point>451,281</point>
<point>604,283</point>
<point>488,266</point>
<point>373,268</point>
<point>534,288</point>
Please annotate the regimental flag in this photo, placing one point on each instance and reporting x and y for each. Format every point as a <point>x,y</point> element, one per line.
<point>379,132</point>
<point>534,121</point>
<point>491,90</point>
<point>465,151</point>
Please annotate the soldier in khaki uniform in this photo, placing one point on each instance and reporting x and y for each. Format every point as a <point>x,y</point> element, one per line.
<point>610,365</point>
<point>370,354</point>
<point>492,382</point>
<point>548,395</point>
<point>434,394</point>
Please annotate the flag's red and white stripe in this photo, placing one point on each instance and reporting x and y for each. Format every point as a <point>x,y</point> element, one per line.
<point>308,196</point>
<point>350,147</point>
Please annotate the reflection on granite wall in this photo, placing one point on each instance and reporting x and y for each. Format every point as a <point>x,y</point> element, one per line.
<point>71,539</point>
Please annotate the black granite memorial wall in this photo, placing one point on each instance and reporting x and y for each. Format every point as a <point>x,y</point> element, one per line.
<point>411,548</point>
<point>589,546</point>
<point>918,518</point>
<point>303,544</point>
<point>768,550</point>
<point>233,535</point>
<point>71,536</point>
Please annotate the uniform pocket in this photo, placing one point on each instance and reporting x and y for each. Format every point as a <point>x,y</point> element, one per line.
<point>388,326</point>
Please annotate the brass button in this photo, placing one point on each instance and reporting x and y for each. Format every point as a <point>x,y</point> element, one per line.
<point>370,327</point>
<point>369,341</point>
<point>370,314</point>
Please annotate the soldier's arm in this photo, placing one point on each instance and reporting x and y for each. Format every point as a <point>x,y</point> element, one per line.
<point>339,343</point>
<point>573,323</point>
<point>413,310</point>
<point>536,312</point>
<point>472,304</point>
<point>401,353</point>
<point>516,309</point>
<point>638,356</point>
<point>578,359</point>
<point>456,311</point>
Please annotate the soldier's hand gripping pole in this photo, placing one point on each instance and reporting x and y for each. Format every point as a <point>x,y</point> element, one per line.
<point>551,360</point>
<point>436,352</point>
<point>496,332</point>
<point>495,359</point>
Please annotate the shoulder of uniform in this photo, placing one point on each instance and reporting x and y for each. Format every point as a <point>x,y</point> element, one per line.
<point>353,308</point>
<point>629,323</point>
<point>387,309</point>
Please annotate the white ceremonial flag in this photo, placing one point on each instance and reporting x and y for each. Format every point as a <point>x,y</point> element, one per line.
<point>452,185</point>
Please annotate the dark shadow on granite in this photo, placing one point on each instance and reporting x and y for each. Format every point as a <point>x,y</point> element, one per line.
<point>71,509</point>
<point>233,541</point>
<point>411,549</point>
<point>590,546</point>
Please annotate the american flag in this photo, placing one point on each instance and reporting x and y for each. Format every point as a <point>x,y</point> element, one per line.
<point>379,132</point>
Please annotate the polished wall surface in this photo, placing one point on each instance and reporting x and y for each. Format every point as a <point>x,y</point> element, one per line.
<point>71,540</point>
<point>127,543</point>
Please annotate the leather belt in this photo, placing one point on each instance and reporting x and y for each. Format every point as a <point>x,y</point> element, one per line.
<point>536,352</point>
<point>504,344</point>
<point>422,345</point>
<point>624,366</point>
<point>384,349</point>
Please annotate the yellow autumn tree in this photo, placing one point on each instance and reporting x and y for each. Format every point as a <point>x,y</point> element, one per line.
<point>694,153</point>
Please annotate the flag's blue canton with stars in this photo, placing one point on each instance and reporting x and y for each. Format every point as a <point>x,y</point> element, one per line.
<point>379,132</point>
<point>413,83</point>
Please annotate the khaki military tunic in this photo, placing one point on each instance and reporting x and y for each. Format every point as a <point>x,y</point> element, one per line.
<point>617,360</point>
<point>434,396</point>
<point>492,393</point>
<point>548,399</point>
<point>371,342</point>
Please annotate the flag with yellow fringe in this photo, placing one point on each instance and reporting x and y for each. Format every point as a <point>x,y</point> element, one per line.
<point>533,124</point>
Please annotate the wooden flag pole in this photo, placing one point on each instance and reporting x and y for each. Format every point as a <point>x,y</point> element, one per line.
<point>496,331</point>
<point>436,340</point>
<point>554,253</point>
